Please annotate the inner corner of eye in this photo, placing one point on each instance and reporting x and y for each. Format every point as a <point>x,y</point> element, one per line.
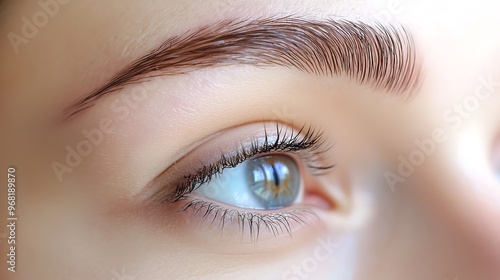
<point>269,181</point>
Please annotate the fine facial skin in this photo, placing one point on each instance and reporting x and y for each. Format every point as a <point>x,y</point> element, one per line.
<point>251,139</point>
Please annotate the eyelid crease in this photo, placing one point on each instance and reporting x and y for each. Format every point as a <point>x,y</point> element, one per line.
<point>382,55</point>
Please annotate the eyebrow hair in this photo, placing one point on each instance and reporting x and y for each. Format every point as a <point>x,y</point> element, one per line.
<point>382,55</point>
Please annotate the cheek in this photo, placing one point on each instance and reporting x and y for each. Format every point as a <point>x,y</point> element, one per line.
<point>323,255</point>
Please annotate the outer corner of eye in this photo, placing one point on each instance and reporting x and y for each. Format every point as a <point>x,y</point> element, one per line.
<point>320,200</point>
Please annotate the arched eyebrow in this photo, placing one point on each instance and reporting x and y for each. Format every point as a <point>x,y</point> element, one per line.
<point>383,56</point>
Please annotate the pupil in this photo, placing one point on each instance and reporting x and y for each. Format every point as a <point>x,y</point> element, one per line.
<point>274,180</point>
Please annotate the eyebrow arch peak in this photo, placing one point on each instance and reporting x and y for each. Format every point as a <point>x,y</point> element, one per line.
<point>382,55</point>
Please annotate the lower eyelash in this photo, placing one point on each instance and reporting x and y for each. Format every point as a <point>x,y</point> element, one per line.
<point>276,223</point>
<point>307,144</point>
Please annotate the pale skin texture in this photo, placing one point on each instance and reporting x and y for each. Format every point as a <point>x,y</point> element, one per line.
<point>440,223</point>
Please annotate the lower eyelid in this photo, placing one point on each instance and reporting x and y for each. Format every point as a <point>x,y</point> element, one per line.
<point>251,225</point>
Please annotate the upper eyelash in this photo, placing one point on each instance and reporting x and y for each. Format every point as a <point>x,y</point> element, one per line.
<point>310,145</point>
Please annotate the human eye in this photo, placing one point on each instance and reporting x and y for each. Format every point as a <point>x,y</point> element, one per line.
<point>257,181</point>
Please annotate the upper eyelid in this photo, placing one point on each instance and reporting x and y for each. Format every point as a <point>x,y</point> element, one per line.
<point>160,189</point>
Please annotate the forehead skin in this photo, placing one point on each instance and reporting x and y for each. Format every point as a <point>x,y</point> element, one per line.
<point>86,42</point>
<point>91,51</point>
<point>130,29</point>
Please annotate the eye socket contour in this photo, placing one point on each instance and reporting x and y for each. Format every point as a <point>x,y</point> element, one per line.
<point>266,182</point>
<point>194,186</point>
